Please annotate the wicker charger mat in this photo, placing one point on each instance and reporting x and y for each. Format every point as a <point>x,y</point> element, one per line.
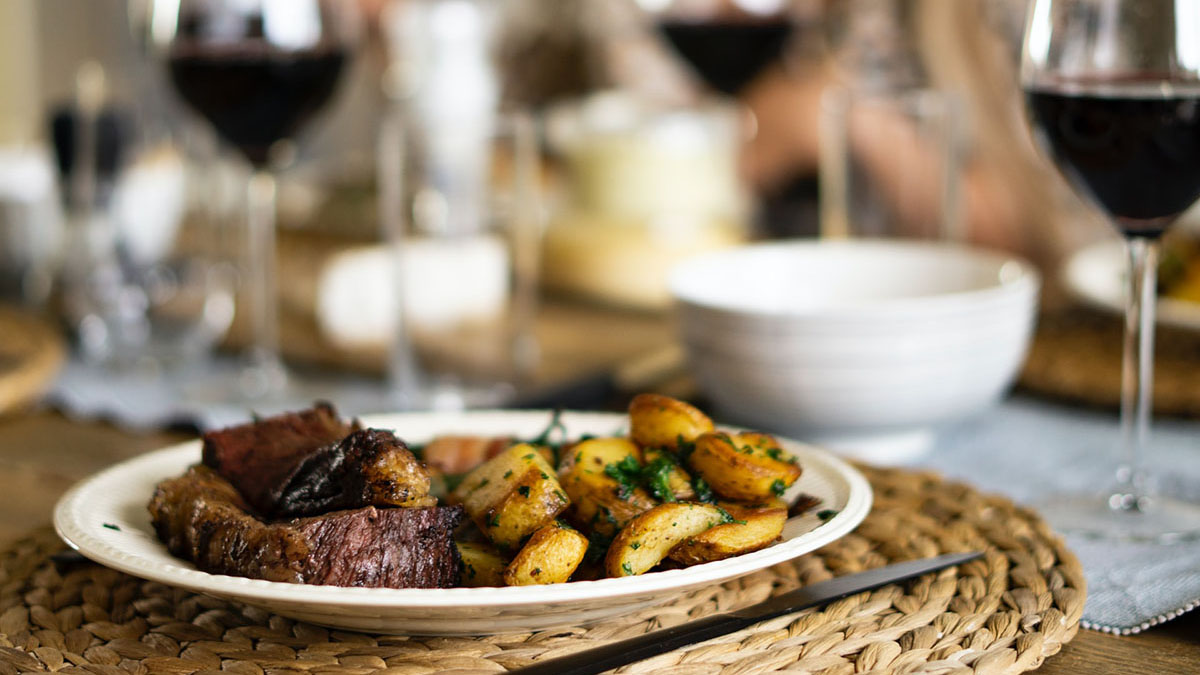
<point>1076,356</point>
<point>1001,614</point>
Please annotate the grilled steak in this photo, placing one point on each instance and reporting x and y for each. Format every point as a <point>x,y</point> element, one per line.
<point>202,518</point>
<point>370,467</point>
<point>259,457</point>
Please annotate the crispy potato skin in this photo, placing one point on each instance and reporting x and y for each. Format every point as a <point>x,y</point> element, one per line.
<point>678,480</point>
<point>482,564</point>
<point>549,557</point>
<point>762,524</point>
<point>512,495</point>
<point>598,504</point>
<point>657,421</point>
<point>647,539</point>
<point>741,466</point>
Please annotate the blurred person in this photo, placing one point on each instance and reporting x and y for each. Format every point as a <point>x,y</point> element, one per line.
<point>1013,200</point>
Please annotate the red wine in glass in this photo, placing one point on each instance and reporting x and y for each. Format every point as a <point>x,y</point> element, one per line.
<point>254,95</point>
<point>257,71</point>
<point>728,53</point>
<point>1133,148</point>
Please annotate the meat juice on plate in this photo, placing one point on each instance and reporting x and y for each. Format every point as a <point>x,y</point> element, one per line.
<point>1131,145</point>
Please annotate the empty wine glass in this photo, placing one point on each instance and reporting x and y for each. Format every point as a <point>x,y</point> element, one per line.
<point>1112,89</point>
<point>257,71</point>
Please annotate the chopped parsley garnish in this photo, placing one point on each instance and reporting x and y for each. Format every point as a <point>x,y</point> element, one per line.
<point>703,492</point>
<point>635,545</point>
<point>493,520</point>
<point>524,490</point>
<point>684,448</point>
<point>597,546</point>
<point>112,526</point>
<point>657,478</point>
<point>726,518</point>
<point>826,514</point>
<point>778,488</point>
<point>508,474</point>
<point>453,480</point>
<point>627,569</point>
<point>627,473</point>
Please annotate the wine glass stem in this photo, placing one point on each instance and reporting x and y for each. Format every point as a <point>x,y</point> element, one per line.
<point>1137,375</point>
<point>266,369</point>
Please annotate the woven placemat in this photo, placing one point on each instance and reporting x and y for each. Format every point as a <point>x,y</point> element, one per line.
<point>1076,356</point>
<point>1001,614</point>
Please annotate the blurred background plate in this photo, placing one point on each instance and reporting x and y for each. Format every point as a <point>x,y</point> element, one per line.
<point>1096,275</point>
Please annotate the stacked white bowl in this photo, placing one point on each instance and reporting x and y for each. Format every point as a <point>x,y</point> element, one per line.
<point>864,346</point>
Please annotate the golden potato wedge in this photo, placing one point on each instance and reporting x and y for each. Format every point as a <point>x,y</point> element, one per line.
<point>754,527</point>
<point>647,539</point>
<point>747,466</point>
<point>600,502</point>
<point>549,557</point>
<point>665,471</point>
<point>512,495</point>
<point>482,564</point>
<point>657,421</point>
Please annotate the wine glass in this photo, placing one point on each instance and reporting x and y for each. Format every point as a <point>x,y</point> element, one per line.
<point>726,42</point>
<point>1112,89</point>
<point>257,71</point>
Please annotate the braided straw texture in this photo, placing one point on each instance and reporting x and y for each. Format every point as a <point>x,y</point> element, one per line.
<point>1076,357</point>
<point>1001,614</point>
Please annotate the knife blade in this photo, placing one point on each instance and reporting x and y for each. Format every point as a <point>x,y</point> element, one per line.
<point>600,659</point>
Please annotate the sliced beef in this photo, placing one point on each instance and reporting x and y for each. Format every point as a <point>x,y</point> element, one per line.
<point>370,467</point>
<point>202,518</point>
<point>259,457</point>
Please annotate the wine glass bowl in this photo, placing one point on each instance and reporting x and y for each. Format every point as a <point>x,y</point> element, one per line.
<point>727,43</point>
<point>1112,89</point>
<point>257,71</point>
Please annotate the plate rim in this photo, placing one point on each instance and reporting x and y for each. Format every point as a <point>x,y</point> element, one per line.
<point>183,575</point>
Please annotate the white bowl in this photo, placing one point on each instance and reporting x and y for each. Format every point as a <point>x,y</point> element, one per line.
<point>863,345</point>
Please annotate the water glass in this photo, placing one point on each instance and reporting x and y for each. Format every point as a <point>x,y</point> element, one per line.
<point>460,209</point>
<point>891,164</point>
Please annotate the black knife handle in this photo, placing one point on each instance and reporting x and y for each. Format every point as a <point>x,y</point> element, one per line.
<point>600,659</point>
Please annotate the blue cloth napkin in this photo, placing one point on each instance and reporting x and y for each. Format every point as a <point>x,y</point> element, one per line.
<point>1028,449</point>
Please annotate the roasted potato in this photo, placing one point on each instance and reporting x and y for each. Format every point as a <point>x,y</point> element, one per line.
<point>748,466</point>
<point>482,564</point>
<point>549,557</point>
<point>663,466</point>
<point>512,495</point>
<point>753,527</point>
<point>647,539</point>
<point>601,503</point>
<point>657,421</point>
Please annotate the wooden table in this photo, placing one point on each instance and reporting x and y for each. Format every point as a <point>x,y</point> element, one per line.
<point>43,453</point>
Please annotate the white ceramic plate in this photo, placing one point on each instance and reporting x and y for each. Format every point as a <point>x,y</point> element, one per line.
<point>1096,274</point>
<point>118,497</point>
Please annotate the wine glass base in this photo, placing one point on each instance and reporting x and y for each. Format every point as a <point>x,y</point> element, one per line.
<point>1160,519</point>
